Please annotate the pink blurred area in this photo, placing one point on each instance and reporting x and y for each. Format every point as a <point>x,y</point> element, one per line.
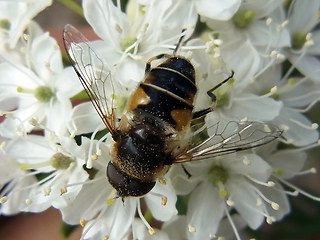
<point>25,226</point>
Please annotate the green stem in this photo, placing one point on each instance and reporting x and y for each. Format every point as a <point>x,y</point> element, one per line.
<point>73,6</point>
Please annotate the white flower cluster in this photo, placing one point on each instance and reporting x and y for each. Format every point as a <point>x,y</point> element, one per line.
<point>47,158</point>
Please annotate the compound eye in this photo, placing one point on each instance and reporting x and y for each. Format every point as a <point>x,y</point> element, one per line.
<point>125,185</point>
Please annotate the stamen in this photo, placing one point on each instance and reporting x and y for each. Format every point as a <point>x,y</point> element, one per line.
<point>309,106</point>
<point>221,238</point>
<point>150,229</point>
<point>33,122</point>
<point>28,201</point>
<point>284,127</point>
<point>268,21</point>
<point>164,201</point>
<point>20,132</point>
<point>63,190</point>
<point>235,230</point>
<point>282,26</point>
<point>91,157</point>
<point>265,214</point>
<point>280,57</point>
<point>246,161</point>
<point>84,233</point>
<point>267,184</point>
<point>274,205</point>
<point>274,89</point>
<point>243,120</point>
<point>259,202</point>
<point>85,182</point>
<point>3,145</point>
<point>82,222</point>
<point>229,202</point>
<point>299,190</point>
<point>191,229</point>
<point>270,219</point>
<point>162,181</point>
<point>46,191</point>
<point>312,170</point>
<point>3,199</point>
<point>212,236</point>
<point>266,128</point>
<point>112,196</point>
<point>303,125</point>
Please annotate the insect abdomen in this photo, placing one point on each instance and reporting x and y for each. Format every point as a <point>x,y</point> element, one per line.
<point>167,92</point>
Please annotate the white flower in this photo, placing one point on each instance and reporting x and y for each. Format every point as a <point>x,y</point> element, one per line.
<point>224,183</point>
<point>305,37</point>
<point>297,96</point>
<point>129,40</point>
<point>56,161</point>
<point>256,37</point>
<point>216,9</point>
<point>40,87</point>
<point>236,100</point>
<point>106,215</point>
<point>286,164</point>
<point>139,232</point>
<point>14,184</point>
<point>15,16</point>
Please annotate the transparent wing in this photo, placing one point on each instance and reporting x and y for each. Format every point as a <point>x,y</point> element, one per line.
<point>94,74</point>
<point>228,137</point>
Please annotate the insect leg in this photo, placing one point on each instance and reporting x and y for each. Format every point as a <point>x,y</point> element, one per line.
<point>179,42</point>
<point>186,171</point>
<point>205,111</point>
<point>148,64</point>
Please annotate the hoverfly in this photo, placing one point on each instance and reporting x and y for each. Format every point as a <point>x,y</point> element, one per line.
<point>155,131</point>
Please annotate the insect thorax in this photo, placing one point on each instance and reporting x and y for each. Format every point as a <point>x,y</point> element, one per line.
<point>141,150</point>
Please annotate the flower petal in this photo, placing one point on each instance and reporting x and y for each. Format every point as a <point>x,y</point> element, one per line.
<point>215,9</point>
<point>159,211</point>
<point>205,210</point>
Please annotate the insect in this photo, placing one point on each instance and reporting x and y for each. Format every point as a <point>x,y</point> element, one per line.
<point>155,131</point>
